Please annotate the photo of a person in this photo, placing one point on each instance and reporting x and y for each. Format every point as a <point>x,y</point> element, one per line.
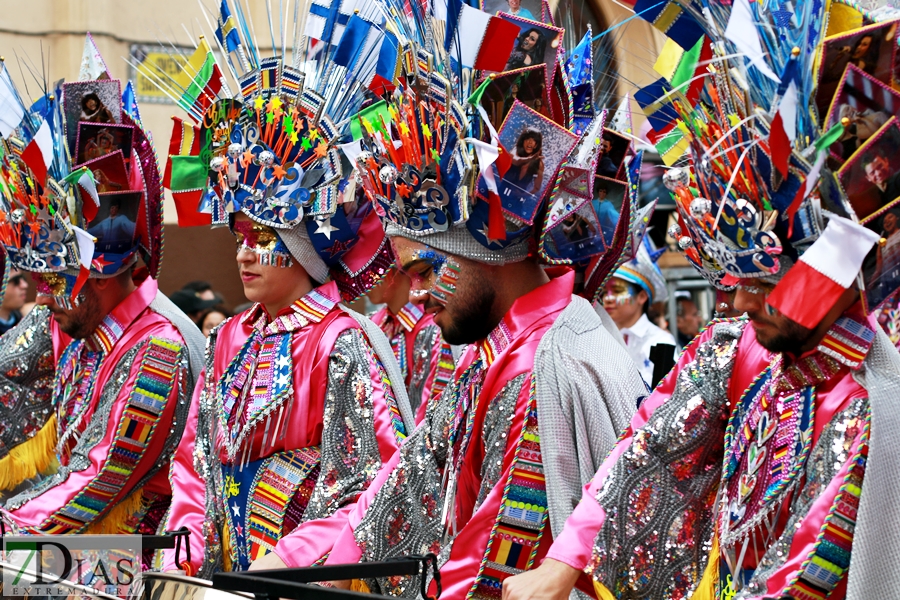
<point>871,50</point>
<point>859,55</point>
<point>93,110</point>
<point>115,232</point>
<point>529,49</point>
<point>527,171</point>
<point>605,166</point>
<point>99,145</point>
<point>577,229</point>
<point>95,140</point>
<point>862,125</point>
<point>880,174</point>
<point>524,9</point>
<point>516,9</point>
<point>96,102</point>
<point>534,148</point>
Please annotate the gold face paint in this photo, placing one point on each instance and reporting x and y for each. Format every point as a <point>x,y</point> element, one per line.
<point>263,241</point>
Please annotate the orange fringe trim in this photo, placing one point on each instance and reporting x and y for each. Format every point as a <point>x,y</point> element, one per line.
<point>36,456</point>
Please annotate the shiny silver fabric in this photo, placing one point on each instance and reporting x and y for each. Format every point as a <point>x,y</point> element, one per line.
<point>26,379</point>
<point>876,543</point>
<point>587,391</point>
<point>458,241</point>
<point>382,348</point>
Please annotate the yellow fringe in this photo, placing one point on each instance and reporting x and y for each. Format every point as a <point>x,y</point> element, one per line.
<point>706,589</point>
<point>226,547</point>
<point>358,585</point>
<point>120,518</point>
<point>30,458</point>
<point>602,592</point>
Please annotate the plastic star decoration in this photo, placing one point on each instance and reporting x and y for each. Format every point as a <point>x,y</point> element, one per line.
<point>403,190</point>
<point>246,158</point>
<point>294,137</point>
<point>306,143</point>
<point>278,171</point>
<point>322,150</point>
<point>258,103</point>
<point>325,227</point>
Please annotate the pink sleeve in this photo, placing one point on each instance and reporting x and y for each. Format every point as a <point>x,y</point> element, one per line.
<point>304,546</point>
<point>575,543</point>
<point>188,490</point>
<point>132,442</point>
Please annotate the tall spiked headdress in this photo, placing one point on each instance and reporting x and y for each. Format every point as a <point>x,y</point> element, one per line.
<point>756,196</point>
<point>80,184</point>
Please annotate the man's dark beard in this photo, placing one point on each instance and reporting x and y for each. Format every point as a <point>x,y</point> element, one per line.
<point>790,339</point>
<point>83,321</point>
<point>472,318</point>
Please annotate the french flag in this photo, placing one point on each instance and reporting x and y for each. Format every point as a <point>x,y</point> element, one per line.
<point>829,267</point>
<point>784,125</point>
<point>38,155</point>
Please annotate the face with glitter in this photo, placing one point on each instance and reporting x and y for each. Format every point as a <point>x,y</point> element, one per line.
<point>624,302</point>
<point>774,331</point>
<point>262,241</point>
<point>456,291</point>
<point>275,287</point>
<point>78,322</point>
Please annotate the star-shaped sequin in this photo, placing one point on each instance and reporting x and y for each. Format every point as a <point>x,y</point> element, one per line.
<point>236,509</point>
<point>491,241</point>
<point>100,263</point>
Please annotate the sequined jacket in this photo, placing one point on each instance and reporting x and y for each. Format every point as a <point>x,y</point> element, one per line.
<point>679,486</point>
<point>492,415</point>
<point>120,400</point>
<point>426,360</point>
<point>26,383</point>
<point>292,420</point>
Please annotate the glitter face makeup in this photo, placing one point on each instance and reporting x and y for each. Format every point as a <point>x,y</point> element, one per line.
<point>431,273</point>
<point>263,241</point>
<point>58,286</point>
<point>618,292</point>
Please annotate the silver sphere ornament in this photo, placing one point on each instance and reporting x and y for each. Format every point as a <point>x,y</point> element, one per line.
<point>684,242</point>
<point>700,207</point>
<point>674,231</point>
<point>266,158</point>
<point>235,150</point>
<point>217,164</point>
<point>17,216</point>
<point>388,174</point>
<point>363,159</point>
<point>676,178</point>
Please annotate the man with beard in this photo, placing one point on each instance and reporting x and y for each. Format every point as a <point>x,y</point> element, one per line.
<point>537,398</point>
<point>425,359</point>
<point>96,379</point>
<point>764,465</point>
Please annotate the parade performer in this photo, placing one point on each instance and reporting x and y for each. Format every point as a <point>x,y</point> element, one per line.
<point>542,389</point>
<point>97,378</point>
<point>301,400</point>
<point>761,467</point>
<point>426,360</point>
<point>632,289</point>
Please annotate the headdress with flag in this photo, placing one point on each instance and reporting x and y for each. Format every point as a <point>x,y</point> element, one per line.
<point>748,203</point>
<point>429,155</point>
<point>269,149</point>
<point>53,219</point>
